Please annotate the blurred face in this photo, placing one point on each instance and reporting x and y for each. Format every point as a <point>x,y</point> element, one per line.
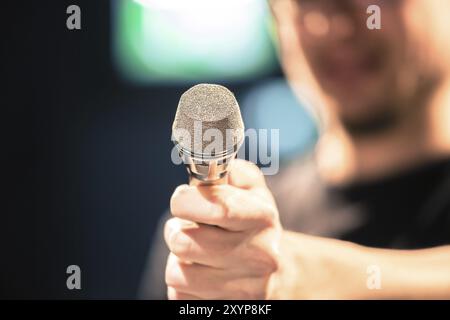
<point>375,77</point>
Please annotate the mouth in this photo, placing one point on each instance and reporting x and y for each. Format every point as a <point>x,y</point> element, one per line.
<point>349,67</point>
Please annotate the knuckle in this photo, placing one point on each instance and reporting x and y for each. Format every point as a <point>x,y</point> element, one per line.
<point>171,280</point>
<point>170,274</point>
<point>251,167</point>
<point>272,263</point>
<point>268,264</point>
<point>169,228</point>
<point>172,294</point>
<point>181,245</point>
<point>268,215</point>
<point>256,173</point>
<point>272,257</point>
<point>265,259</point>
<point>175,198</point>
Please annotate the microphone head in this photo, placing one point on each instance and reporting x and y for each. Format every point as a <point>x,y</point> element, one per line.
<point>208,121</point>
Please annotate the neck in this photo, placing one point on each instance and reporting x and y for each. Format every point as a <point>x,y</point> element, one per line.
<point>419,138</point>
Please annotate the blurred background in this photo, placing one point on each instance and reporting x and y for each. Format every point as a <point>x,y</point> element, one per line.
<point>88,123</point>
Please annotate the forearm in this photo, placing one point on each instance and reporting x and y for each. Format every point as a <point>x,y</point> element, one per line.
<point>412,274</point>
<point>320,268</point>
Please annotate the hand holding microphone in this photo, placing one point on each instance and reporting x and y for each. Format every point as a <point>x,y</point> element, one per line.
<point>225,233</point>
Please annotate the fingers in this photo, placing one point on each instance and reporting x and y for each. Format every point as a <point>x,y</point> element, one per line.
<point>223,205</point>
<point>192,279</point>
<point>197,281</point>
<point>220,249</point>
<point>203,244</point>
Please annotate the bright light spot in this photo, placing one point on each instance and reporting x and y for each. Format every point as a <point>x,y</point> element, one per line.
<point>181,40</point>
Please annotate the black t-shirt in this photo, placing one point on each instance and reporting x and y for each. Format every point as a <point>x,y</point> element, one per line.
<point>410,209</point>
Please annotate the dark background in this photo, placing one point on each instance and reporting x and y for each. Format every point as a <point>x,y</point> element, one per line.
<point>88,170</point>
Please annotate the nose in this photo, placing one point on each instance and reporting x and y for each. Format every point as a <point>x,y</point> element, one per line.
<point>342,26</point>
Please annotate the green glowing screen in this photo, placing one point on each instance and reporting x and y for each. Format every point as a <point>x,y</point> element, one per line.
<point>187,40</point>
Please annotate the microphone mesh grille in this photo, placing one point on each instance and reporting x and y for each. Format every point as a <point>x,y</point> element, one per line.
<point>210,106</point>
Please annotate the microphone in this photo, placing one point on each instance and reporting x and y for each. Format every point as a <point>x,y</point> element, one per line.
<point>208,131</point>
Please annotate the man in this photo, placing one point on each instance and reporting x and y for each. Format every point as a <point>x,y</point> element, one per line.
<point>379,180</point>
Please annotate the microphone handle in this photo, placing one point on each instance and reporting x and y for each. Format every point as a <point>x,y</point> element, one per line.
<point>217,174</point>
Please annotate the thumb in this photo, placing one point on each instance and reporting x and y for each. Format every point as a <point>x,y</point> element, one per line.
<point>246,175</point>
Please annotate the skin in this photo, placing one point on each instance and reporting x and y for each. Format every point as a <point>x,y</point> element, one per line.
<point>383,118</point>
<point>226,241</point>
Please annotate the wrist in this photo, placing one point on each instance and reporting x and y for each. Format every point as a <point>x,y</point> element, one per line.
<point>285,284</point>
